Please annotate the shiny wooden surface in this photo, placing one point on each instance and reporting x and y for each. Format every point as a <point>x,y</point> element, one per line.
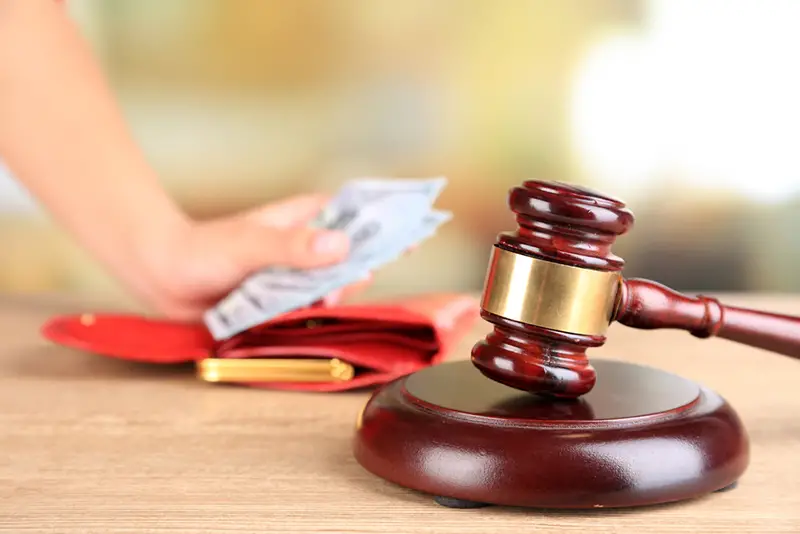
<point>649,305</point>
<point>641,437</point>
<point>95,445</point>
<point>567,226</point>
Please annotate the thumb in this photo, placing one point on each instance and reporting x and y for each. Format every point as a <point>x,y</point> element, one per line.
<point>257,246</point>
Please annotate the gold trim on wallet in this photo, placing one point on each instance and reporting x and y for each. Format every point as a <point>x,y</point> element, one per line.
<point>274,370</point>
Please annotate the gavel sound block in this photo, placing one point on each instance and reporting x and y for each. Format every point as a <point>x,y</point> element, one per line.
<point>530,420</point>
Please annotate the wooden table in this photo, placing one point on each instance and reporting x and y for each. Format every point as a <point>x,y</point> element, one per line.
<point>95,445</point>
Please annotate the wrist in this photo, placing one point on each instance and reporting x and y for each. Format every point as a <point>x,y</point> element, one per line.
<point>158,247</point>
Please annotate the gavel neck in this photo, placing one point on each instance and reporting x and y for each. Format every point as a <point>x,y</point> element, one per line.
<point>648,305</point>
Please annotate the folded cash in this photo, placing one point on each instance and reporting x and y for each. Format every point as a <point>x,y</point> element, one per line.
<point>382,217</point>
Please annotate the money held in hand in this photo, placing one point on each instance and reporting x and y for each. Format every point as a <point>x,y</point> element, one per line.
<point>383,219</point>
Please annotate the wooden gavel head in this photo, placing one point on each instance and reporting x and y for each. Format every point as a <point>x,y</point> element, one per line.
<point>553,287</point>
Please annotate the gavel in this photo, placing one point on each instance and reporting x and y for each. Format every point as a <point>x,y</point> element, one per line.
<point>553,287</point>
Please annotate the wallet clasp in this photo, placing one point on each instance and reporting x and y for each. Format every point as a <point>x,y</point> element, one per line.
<point>274,370</point>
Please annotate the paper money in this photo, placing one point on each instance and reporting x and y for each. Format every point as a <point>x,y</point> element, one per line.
<point>383,219</point>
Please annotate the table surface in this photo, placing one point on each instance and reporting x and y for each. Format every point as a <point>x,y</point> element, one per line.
<point>91,444</point>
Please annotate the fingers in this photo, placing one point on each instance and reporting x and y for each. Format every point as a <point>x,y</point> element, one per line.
<point>292,212</point>
<point>258,247</point>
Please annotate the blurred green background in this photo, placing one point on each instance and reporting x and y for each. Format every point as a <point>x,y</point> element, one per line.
<point>687,110</point>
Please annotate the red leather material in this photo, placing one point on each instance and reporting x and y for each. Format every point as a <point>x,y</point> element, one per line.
<point>130,337</point>
<point>383,340</point>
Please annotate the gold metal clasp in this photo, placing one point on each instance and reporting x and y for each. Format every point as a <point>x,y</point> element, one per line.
<point>274,370</point>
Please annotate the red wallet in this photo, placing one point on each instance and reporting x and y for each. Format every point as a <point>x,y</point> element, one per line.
<point>318,348</point>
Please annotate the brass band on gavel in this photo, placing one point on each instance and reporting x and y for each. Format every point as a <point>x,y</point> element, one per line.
<point>548,294</point>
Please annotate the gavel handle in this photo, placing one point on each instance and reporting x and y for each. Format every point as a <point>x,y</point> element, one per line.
<point>648,305</point>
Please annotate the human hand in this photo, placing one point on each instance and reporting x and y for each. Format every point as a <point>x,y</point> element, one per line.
<point>204,261</point>
<point>98,186</point>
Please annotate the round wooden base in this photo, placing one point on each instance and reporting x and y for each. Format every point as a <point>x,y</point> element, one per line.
<point>640,437</point>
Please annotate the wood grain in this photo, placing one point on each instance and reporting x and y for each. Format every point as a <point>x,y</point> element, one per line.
<point>95,445</point>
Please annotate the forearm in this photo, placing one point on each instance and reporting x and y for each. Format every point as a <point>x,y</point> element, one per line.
<point>63,137</point>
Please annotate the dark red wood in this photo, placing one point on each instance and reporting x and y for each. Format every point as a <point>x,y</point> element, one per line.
<point>536,359</point>
<point>649,305</point>
<point>566,224</point>
<point>640,437</point>
<point>577,226</point>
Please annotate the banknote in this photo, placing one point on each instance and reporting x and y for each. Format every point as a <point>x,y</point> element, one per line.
<point>371,226</point>
<point>269,294</point>
<point>383,219</point>
<point>377,253</point>
<point>355,195</point>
